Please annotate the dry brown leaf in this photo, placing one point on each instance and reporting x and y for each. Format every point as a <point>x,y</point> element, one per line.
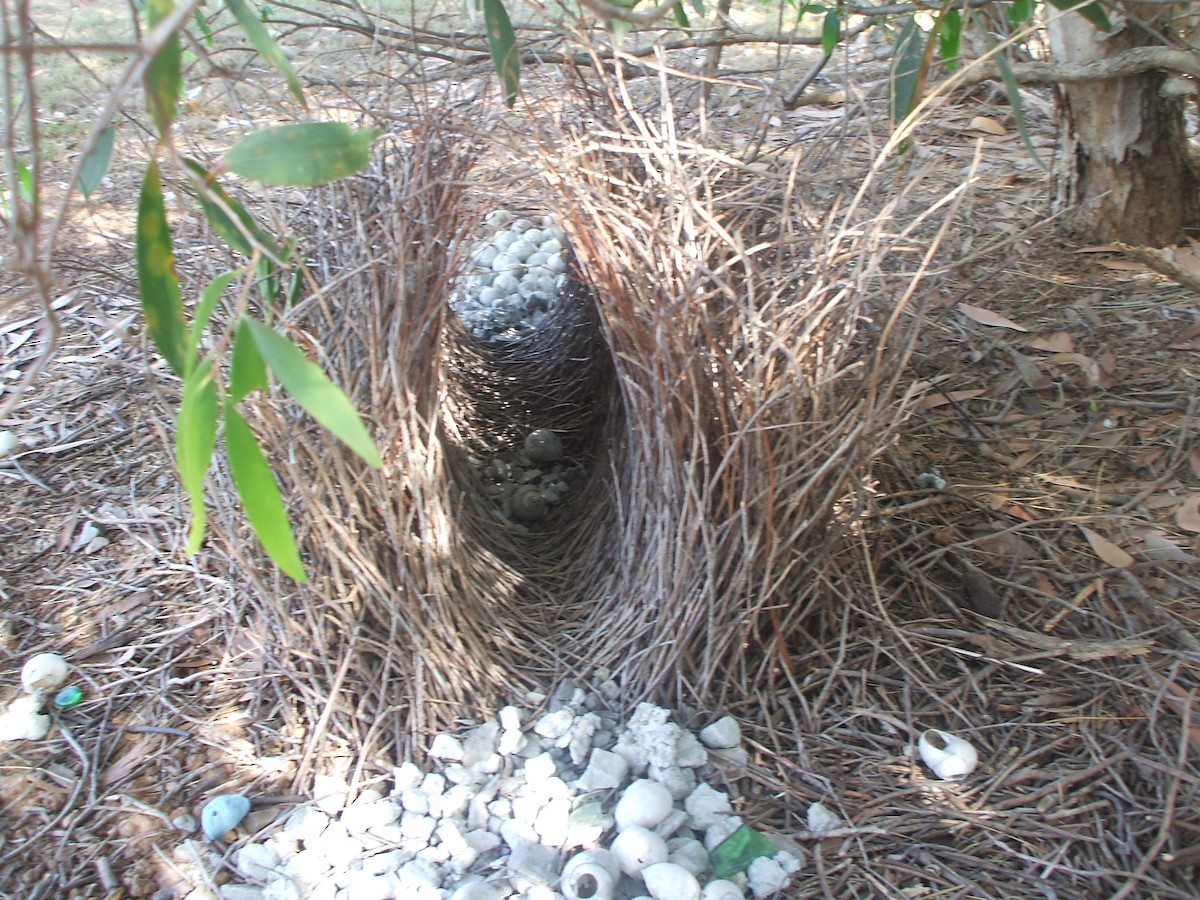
<point>1122,265</point>
<point>987,317</point>
<point>1057,342</point>
<point>1187,516</point>
<point>1194,462</point>
<point>1159,547</point>
<point>1033,377</point>
<point>1091,369</point>
<point>987,125</point>
<point>940,399</point>
<point>1107,550</point>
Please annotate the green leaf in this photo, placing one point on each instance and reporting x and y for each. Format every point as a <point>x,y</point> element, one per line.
<point>204,310</point>
<point>195,438</point>
<point>949,38</point>
<point>158,286</point>
<point>1019,11</point>
<point>202,24</point>
<point>906,72</point>
<point>95,164</point>
<point>24,182</point>
<point>698,6</point>
<point>247,371</point>
<point>163,73</point>
<point>831,32</point>
<point>310,387</point>
<point>502,43</point>
<point>268,280</point>
<point>306,153</point>
<point>736,852</point>
<point>1013,90</point>
<point>681,16</point>
<point>1093,11</point>
<point>266,46</point>
<point>255,483</point>
<point>244,234</point>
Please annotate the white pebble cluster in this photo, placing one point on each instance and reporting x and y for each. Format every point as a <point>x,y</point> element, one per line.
<point>514,278</point>
<point>569,805</point>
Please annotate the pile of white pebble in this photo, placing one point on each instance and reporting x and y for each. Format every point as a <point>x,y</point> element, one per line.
<point>568,804</point>
<point>514,278</point>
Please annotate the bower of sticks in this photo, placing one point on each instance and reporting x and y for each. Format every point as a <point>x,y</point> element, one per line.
<point>751,369</point>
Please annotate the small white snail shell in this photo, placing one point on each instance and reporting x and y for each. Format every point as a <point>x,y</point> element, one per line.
<point>645,803</point>
<point>667,881</point>
<point>43,672</point>
<point>543,445</point>
<point>949,756</point>
<point>636,848</point>
<point>590,875</point>
<point>721,889</point>
<point>527,503</point>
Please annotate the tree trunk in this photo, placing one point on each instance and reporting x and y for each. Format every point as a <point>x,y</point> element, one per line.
<point>1124,174</point>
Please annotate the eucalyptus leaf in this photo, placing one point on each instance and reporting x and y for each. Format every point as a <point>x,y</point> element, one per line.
<point>1091,11</point>
<point>313,390</point>
<point>204,310</point>
<point>158,285</point>
<point>162,79</point>
<point>95,164</point>
<point>258,35</point>
<point>195,439</point>
<point>502,44</point>
<point>230,219</point>
<point>831,32</point>
<point>306,153</point>
<point>255,483</point>
<point>247,371</point>
<point>949,38</point>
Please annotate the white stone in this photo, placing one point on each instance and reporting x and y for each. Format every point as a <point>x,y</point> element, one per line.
<point>329,793</point>
<point>23,722</point>
<point>446,747</point>
<point>359,817</point>
<point>721,829</point>
<point>307,866</point>
<point>675,820</point>
<point>540,768</point>
<point>480,744</point>
<point>454,803</point>
<point>706,805</point>
<point>433,783</point>
<point>415,800</point>
<point>511,742</point>
<point>555,724</point>
<point>766,877</point>
<point>283,889</point>
<point>256,862</point>
<point>689,752</point>
<point>679,781</point>
<point>385,862</point>
<point>822,818</point>
<point>732,758</point>
<point>239,892</point>
<point>721,734</point>
<point>551,822</point>
<point>407,775</point>
<point>582,730</point>
<point>364,886</point>
<point>481,891</point>
<point>481,840</point>
<point>510,718</point>
<point>417,827</point>
<point>605,771</point>
<point>689,853</point>
<point>418,872</point>
<point>8,442</point>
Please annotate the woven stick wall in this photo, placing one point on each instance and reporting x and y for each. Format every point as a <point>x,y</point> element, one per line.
<point>719,374</point>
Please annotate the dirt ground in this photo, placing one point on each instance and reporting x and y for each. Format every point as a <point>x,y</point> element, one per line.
<point>1048,478</point>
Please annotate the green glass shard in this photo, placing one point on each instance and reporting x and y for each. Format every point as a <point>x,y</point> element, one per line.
<point>736,852</point>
